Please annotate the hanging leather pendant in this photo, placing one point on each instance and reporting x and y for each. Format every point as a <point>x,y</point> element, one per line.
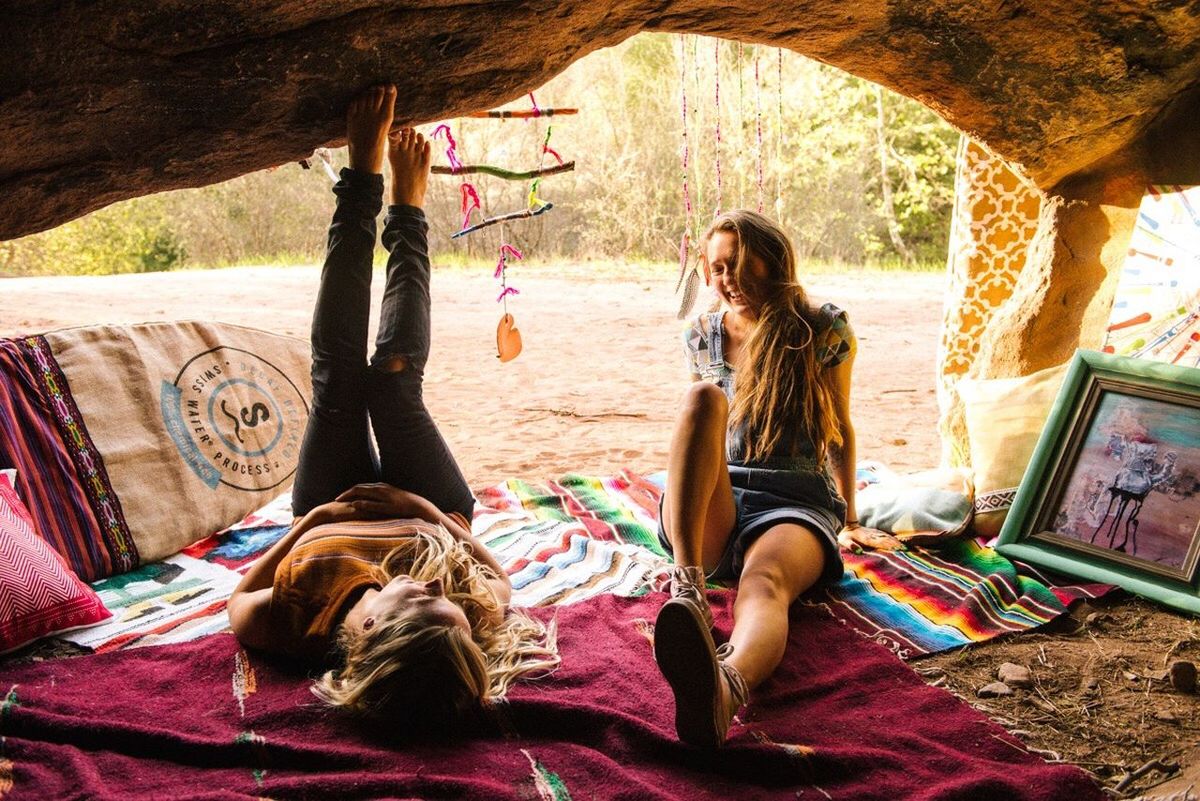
<point>508,339</point>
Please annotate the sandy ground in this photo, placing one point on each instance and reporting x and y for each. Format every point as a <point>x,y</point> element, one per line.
<point>596,387</point>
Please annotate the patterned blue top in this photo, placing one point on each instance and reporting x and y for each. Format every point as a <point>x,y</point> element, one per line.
<point>705,354</point>
<point>779,480</point>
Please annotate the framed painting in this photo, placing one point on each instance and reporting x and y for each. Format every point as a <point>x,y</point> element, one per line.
<point>1112,492</point>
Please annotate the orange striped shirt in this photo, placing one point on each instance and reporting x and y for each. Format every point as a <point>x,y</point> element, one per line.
<point>326,570</point>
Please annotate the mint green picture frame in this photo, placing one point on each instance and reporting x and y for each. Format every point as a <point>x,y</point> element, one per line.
<point>1028,535</point>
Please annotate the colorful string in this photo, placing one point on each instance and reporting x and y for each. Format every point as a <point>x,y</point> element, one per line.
<point>534,200</point>
<point>687,195</point>
<point>451,146</point>
<point>546,146</point>
<point>758,126</point>
<point>470,202</point>
<point>506,251</point>
<point>717,99</point>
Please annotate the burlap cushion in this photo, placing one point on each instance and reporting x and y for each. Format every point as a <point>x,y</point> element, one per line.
<point>1005,417</point>
<point>197,423</point>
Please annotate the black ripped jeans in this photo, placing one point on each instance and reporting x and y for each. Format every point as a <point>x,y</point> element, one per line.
<point>338,451</point>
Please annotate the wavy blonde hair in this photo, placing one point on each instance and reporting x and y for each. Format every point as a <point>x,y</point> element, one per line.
<point>780,386</point>
<point>405,669</point>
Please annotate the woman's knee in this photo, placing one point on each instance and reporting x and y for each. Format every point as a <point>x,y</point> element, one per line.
<point>704,401</point>
<point>767,582</point>
<point>390,364</point>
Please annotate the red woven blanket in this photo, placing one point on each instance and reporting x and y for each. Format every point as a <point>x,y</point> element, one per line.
<point>842,718</point>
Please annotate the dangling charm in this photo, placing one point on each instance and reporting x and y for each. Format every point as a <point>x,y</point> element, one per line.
<point>689,280</point>
<point>508,339</point>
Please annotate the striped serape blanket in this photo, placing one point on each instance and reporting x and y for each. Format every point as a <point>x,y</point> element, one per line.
<point>926,600</point>
<point>567,540</point>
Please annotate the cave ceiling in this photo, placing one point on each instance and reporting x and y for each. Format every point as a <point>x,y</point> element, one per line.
<point>106,100</point>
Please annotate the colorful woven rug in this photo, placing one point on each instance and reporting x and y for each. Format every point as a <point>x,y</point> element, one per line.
<point>922,601</point>
<point>183,597</point>
<point>567,540</point>
<point>564,541</point>
<point>840,719</point>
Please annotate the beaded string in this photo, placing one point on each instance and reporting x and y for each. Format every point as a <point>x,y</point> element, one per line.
<point>717,103</point>
<point>758,126</point>
<point>689,281</point>
<point>741,115</point>
<point>778,131</point>
<point>687,195</point>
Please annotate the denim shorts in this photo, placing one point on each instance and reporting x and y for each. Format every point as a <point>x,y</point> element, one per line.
<point>760,509</point>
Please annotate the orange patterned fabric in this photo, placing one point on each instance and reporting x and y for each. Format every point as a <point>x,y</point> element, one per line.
<point>325,567</point>
<point>995,217</point>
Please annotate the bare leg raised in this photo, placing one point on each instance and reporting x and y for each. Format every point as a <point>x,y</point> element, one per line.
<point>698,510</point>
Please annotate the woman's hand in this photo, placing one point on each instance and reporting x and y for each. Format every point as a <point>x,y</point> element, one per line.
<point>855,538</point>
<point>338,512</point>
<point>384,500</point>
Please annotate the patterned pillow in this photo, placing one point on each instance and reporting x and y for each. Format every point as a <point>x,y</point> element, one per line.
<point>1005,417</point>
<point>39,595</point>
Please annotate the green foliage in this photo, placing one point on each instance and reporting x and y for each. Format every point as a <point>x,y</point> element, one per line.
<point>133,237</point>
<point>820,162</point>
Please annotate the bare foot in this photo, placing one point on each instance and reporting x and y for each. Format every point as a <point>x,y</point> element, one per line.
<point>368,121</point>
<point>408,153</point>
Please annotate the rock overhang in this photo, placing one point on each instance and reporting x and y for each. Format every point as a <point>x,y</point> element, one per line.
<point>112,99</point>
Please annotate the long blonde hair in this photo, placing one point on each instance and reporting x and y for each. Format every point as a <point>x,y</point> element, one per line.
<point>400,668</point>
<point>780,386</point>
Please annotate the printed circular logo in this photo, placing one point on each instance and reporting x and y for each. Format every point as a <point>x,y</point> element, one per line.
<point>236,419</point>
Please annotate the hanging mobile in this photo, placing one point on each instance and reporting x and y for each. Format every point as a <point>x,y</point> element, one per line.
<point>508,337</point>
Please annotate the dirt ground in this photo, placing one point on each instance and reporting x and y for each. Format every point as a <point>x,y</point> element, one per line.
<point>595,391</point>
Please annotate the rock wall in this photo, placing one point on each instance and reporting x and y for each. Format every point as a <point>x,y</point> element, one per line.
<point>102,100</point>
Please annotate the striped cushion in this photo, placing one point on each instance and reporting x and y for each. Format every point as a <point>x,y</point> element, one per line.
<point>39,595</point>
<point>62,475</point>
